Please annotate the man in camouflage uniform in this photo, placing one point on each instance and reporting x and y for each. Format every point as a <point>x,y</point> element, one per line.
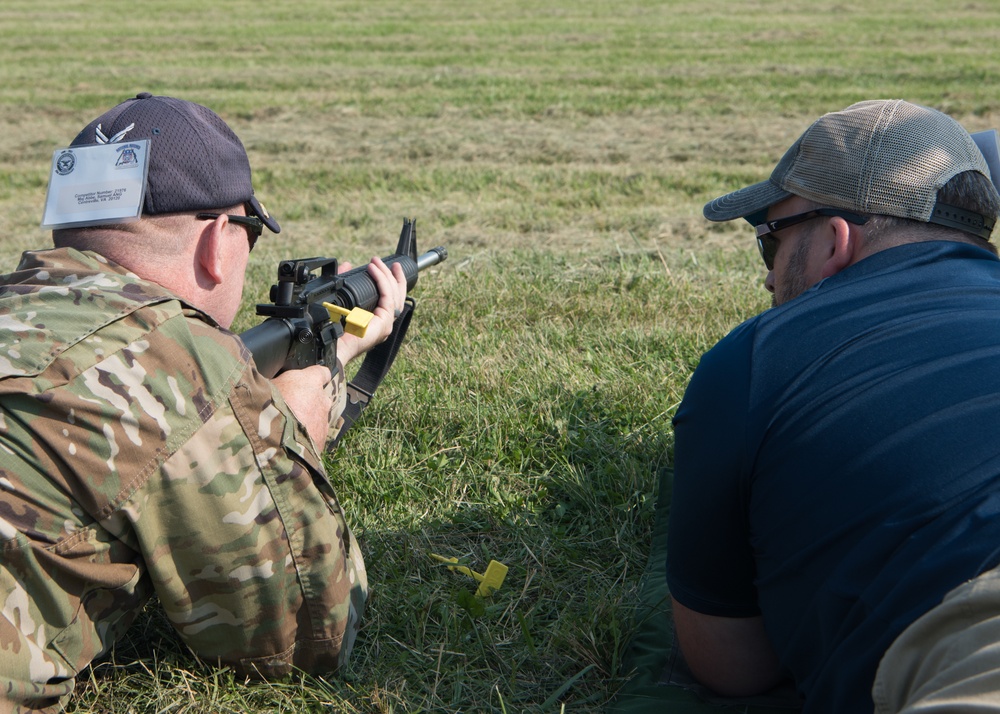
<point>140,450</point>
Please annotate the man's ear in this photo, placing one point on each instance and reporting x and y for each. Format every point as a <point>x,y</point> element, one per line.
<point>844,244</point>
<point>211,249</point>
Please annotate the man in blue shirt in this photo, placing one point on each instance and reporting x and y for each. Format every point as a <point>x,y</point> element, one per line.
<point>836,508</point>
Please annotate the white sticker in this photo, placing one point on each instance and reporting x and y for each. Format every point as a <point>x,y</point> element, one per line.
<point>95,185</point>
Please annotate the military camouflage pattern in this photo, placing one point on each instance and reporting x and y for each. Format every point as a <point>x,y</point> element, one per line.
<point>140,452</point>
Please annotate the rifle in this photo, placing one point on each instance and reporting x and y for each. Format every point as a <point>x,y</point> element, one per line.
<point>309,312</point>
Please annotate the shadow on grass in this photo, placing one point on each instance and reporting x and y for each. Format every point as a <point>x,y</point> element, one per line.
<point>567,506</point>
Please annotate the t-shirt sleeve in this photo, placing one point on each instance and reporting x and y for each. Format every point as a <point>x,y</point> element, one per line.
<point>710,564</point>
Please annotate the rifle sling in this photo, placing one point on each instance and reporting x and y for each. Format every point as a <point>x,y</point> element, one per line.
<point>373,370</point>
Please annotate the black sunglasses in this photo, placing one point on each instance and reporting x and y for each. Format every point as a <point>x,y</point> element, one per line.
<point>254,226</point>
<point>767,244</point>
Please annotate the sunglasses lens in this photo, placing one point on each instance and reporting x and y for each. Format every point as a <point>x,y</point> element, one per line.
<point>768,246</point>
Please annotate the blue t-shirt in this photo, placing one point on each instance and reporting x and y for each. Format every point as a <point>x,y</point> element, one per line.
<point>837,463</point>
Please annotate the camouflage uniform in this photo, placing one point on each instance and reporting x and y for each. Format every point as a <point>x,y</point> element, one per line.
<point>140,452</point>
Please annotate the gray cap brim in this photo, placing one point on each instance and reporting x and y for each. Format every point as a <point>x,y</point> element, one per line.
<point>745,202</point>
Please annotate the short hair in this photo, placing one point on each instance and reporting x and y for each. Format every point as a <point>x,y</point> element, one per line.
<point>969,190</point>
<point>151,239</point>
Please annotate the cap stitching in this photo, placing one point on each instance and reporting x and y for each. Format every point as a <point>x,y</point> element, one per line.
<point>873,152</point>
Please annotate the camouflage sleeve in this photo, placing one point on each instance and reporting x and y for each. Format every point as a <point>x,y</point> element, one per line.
<point>339,404</point>
<point>151,455</point>
<point>246,544</point>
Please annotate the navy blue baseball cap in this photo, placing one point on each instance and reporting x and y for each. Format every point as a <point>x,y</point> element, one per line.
<point>196,162</point>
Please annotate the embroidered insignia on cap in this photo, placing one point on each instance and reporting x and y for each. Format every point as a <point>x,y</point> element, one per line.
<point>102,139</point>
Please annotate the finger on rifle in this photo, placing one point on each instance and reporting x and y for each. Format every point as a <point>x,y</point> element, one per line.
<point>400,276</point>
<point>383,278</point>
<point>398,290</point>
<point>394,273</point>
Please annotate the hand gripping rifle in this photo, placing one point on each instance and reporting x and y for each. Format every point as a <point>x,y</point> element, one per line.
<point>309,312</point>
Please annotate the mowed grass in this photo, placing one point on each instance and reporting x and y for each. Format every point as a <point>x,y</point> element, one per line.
<point>561,151</point>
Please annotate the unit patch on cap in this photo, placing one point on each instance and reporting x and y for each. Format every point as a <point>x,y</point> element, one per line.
<point>102,139</point>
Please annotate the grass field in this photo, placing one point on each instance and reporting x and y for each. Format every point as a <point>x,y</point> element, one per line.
<point>561,151</point>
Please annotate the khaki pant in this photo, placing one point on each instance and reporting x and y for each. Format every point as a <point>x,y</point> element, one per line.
<point>949,659</point>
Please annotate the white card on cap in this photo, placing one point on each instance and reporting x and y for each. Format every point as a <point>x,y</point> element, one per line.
<point>95,185</point>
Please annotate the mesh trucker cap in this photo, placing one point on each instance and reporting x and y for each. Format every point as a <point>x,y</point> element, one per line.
<point>196,162</point>
<point>882,157</point>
